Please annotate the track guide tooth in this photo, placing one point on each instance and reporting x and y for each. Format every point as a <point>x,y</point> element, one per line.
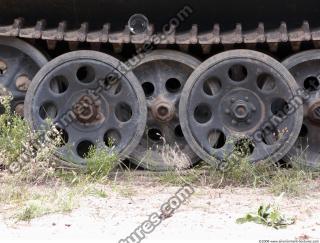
<point>117,39</point>
<point>252,38</point>
<point>73,45</point>
<point>51,44</point>
<point>185,39</point>
<point>301,34</point>
<point>101,36</point>
<point>273,38</point>
<point>121,36</point>
<point>95,46</point>
<point>77,35</point>
<point>166,37</point>
<point>117,47</point>
<point>184,47</point>
<point>188,38</point>
<point>12,30</point>
<point>315,36</point>
<point>33,32</point>
<point>55,34</point>
<point>140,39</point>
<point>296,37</point>
<point>206,40</point>
<point>233,37</point>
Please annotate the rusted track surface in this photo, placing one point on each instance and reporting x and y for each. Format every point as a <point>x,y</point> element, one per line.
<point>192,37</point>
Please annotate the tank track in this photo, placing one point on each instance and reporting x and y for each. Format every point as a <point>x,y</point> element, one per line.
<point>217,36</point>
<point>269,40</point>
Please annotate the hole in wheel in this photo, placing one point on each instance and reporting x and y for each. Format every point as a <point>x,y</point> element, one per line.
<point>217,139</point>
<point>243,147</point>
<point>61,137</point>
<point>23,82</point>
<point>112,138</point>
<point>59,84</point>
<point>266,82</point>
<point>202,113</point>
<point>212,86</point>
<point>2,109</point>
<point>148,89</point>
<point>3,67</point>
<point>238,73</point>
<point>178,132</point>
<point>84,147</point>
<point>19,109</point>
<point>48,110</point>
<point>311,83</point>
<point>173,85</point>
<point>269,134</point>
<point>155,134</point>
<point>304,131</point>
<point>123,112</point>
<point>279,107</point>
<point>85,74</point>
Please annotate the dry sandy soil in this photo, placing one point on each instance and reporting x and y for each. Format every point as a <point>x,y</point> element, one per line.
<point>209,215</point>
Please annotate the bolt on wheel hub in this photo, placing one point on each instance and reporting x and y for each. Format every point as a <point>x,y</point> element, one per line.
<point>240,110</point>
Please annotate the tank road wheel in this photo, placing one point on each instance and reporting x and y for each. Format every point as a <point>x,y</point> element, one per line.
<point>91,101</point>
<point>162,75</point>
<point>305,68</point>
<point>19,62</point>
<point>240,103</point>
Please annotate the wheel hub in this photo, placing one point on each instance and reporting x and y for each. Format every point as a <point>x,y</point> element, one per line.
<point>87,110</point>
<point>163,110</point>
<point>240,109</point>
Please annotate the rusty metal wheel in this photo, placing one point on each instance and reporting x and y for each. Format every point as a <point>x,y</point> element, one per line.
<point>92,101</point>
<point>240,103</point>
<point>162,74</point>
<point>19,62</point>
<point>305,68</point>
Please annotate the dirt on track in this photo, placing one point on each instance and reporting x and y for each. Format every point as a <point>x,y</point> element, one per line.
<point>208,215</point>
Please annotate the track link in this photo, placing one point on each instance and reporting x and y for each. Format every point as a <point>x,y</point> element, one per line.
<point>217,36</point>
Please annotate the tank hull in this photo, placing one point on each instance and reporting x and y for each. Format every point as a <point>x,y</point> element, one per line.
<point>204,13</point>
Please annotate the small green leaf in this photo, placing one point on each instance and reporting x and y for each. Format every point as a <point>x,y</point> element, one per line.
<point>267,215</point>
